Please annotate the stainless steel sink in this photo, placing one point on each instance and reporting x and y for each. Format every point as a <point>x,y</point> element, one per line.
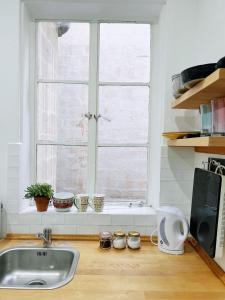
<point>37,268</point>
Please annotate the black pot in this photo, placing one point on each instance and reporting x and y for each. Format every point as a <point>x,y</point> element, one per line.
<point>220,63</point>
<point>193,75</point>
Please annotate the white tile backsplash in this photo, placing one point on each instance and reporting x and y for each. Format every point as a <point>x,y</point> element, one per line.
<point>30,219</point>
<point>64,229</point>
<point>177,163</point>
<point>96,219</point>
<point>87,229</point>
<point>144,220</point>
<point>13,219</point>
<point>176,177</point>
<point>122,220</point>
<point>76,219</point>
<point>174,152</point>
<point>55,219</point>
<point>11,207</point>
<point>35,229</point>
<point>17,228</point>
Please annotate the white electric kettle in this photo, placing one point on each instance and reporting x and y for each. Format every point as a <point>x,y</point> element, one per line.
<point>173,228</point>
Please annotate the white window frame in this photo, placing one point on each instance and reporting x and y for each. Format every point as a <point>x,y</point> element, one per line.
<point>93,88</point>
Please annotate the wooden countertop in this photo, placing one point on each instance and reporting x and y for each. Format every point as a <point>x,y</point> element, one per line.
<point>128,275</point>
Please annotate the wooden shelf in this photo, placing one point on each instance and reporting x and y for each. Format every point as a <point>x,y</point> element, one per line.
<point>211,87</point>
<point>211,141</point>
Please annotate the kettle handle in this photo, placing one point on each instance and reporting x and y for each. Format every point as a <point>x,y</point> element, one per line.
<point>185,227</point>
<point>151,237</point>
<point>186,230</point>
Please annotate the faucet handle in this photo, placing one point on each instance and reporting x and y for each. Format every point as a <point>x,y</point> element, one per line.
<point>47,233</point>
<point>47,230</point>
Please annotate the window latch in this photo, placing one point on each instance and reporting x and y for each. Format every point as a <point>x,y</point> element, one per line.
<point>88,115</point>
<point>100,116</point>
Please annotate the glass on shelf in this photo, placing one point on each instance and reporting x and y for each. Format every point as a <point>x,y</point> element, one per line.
<point>206,119</point>
<point>218,116</point>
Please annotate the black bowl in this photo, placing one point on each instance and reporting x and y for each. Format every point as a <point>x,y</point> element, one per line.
<point>193,75</point>
<point>220,63</point>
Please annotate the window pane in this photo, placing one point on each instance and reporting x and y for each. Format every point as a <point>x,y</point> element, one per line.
<point>127,110</point>
<point>125,52</point>
<point>61,109</point>
<point>63,50</point>
<point>65,167</point>
<point>122,173</point>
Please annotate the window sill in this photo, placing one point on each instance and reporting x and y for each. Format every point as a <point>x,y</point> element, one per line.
<point>108,210</point>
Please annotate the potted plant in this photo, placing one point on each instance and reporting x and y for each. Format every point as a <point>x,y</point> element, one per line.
<point>42,193</point>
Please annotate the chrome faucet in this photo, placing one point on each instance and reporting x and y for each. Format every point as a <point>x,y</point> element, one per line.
<point>46,236</point>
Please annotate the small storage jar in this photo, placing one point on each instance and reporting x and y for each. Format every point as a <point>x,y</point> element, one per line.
<point>105,240</point>
<point>119,240</point>
<point>134,240</point>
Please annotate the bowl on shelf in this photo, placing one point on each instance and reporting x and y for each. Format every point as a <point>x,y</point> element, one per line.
<point>220,63</point>
<point>194,75</point>
<point>63,201</point>
<point>181,135</point>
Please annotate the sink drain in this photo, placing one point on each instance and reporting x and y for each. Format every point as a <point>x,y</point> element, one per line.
<point>36,282</point>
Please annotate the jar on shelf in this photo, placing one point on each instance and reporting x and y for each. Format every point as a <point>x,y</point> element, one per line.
<point>119,240</point>
<point>218,116</point>
<point>105,240</point>
<point>134,240</point>
<point>206,119</point>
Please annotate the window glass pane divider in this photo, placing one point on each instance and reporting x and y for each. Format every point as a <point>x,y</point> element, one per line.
<point>76,20</point>
<point>63,81</point>
<point>124,84</point>
<point>92,104</point>
<point>123,145</point>
<point>36,98</point>
<point>52,143</point>
<point>148,192</point>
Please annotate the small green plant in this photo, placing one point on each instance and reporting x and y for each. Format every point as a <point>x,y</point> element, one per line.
<point>39,190</point>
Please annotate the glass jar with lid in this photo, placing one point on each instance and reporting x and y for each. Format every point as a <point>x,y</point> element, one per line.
<point>119,240</point>
<point>105,240</point>
<point>134,240</point>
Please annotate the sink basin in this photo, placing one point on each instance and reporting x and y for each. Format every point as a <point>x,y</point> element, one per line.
<point>37,268</point>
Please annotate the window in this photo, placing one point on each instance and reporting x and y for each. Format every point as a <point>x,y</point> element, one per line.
<point>93,108</point>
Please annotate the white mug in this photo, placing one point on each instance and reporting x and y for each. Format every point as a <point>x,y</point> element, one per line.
<point>81,202</point>
<point>98,202</point>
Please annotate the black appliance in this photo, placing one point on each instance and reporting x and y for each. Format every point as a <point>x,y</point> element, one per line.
<point>205,209</point>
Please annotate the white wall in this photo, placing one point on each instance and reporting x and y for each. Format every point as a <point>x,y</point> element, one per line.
<point>107,10</point>
<point>172,52</point>
<point>210,44</point>
<point>180,17</point>
<point>9,86</point>
<point>172,168</point>
<point>194,31</point>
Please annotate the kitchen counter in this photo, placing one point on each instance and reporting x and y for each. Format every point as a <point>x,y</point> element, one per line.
<point>128,275</point>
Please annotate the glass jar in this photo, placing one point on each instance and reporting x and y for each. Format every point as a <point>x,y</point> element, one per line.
<point>119,240</point>
<point>206,119</point>
<point>134,240</point>
<point>218,116</point>
<point>105,240</point>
